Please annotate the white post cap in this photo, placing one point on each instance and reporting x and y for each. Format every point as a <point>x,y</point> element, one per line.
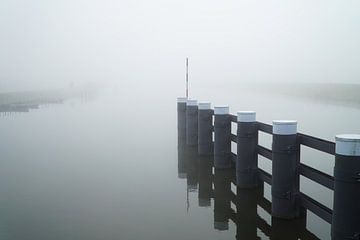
<point>221,110</point>
<point>246,116</point>
<point>191,102</point>
<point>181,99</point>
<point>205,105</point>
<point>284,127</point>
<point>347,144</point>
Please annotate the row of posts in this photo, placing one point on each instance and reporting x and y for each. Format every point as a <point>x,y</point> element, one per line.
<point>195,124</point>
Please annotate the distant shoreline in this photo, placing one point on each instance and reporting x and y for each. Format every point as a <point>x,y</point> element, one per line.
<point>345,94</point>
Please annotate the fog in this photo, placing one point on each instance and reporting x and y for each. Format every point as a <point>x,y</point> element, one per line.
<point>78,163</point>
<point>56,44</point>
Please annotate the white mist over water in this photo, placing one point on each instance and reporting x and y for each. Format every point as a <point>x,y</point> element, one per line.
<point>46,44</point>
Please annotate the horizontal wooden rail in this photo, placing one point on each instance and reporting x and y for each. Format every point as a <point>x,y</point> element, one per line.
<point>265,204</point>
<point>264,176</point>
<point>234,138</point>
<point>265,152</point>
<point>233,118</point>
<point>267,128</point>
<point>317,143</point>
<point>317,176</point>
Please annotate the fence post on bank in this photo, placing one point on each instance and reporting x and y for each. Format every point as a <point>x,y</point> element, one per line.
<point>346,209</point>
<point>191,122</point>
<point>222,144</point>
<point>285,173</point>
<point>205,129</point>
<point>247,157</point>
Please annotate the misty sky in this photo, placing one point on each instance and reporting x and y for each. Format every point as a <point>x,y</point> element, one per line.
<point>46,44</point>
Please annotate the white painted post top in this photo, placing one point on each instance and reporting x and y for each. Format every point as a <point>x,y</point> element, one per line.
<point>191,102</point>
<point>204,105</point>
<point>221,110</point>
<point>181,99</point>
<point>246,116</point>
<point>284,127</point>
<point>347,144</point>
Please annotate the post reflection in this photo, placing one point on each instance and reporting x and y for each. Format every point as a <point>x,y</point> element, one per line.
<point>292,230</point>
<point>205,181</point>
<point>192,168</point>
<point>182,158</point>
<point>249,222</point>
<point>222,200</point>
<point>246,213</point>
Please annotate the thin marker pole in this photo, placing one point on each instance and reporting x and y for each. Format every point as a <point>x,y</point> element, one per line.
<point>187,77</point>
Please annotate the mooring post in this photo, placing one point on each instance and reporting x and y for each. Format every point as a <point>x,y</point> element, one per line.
<point>181,117</point>
<point>181,124</point>
<point>247,157</point>
<point>222,144</point>
<point>285,173</point>
<point>346,209</point>
<point>191,122</point>
<point>205,129</point>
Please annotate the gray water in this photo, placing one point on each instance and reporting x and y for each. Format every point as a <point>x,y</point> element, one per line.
<point>107,167</point>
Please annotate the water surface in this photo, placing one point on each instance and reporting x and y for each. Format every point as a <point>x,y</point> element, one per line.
<point>107,167</point>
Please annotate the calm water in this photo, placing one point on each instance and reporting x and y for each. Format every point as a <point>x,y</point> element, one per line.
<point>107,168</point>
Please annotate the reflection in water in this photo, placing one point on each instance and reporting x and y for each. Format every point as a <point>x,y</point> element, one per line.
<point>205,181</point>
<point>181,157</point>
<point>222,207</point>
<point>285,229</point>
<point>246,213</point>
<point>246,217</point>
<point>192,169</point>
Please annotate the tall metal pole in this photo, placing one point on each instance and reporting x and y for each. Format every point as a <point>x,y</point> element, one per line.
<point>187,77</point>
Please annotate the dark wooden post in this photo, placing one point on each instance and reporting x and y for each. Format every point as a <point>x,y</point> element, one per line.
<point>285,173</point>
<point>181,126</point>
<point>191,122</point>
<point>205,128</point>
<point>346,210</point>
<point>247,157</point>
<point>222,144</point>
